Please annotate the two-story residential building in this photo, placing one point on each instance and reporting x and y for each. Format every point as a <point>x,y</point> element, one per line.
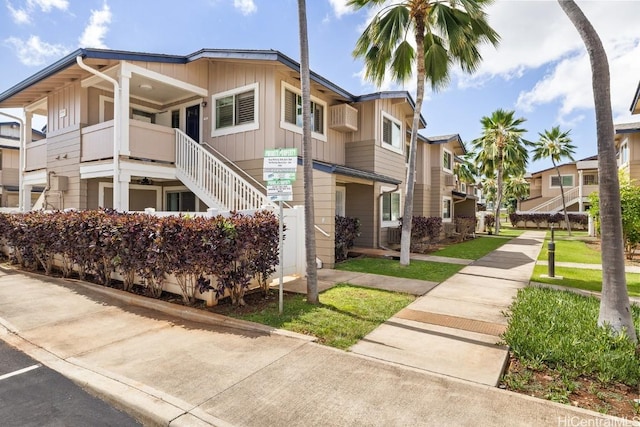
<point>10,163</point>
<point>579,180</point>
<point>185,133</point>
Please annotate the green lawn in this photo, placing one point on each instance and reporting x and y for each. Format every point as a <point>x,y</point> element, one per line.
<point>590,280</point>
<point>344,316</point>
<point>422,270</point>
<point>473,249</point>
<point>564,234</point>
<point>572,251</point>
<point>507,231</point>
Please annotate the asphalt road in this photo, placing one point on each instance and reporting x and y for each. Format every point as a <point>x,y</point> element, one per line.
<point>34,395</point>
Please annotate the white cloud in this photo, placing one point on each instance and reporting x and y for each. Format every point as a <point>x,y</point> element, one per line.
<point>24,15</point>
<point>95,32</point>
<point>19,16</point>
<point>35,52</point>
<point>246,7</point>
<point>340,7</point>
<point>47,5</point>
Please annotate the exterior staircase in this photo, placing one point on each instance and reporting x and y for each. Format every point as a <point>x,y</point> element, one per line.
<point>212,181</point>
<point>555,204</point>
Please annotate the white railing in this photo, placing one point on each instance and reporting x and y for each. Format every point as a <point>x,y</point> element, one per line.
<point>211,180</point>
<point>555,204</point>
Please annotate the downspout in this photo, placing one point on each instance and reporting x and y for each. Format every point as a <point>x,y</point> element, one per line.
<point>116,129</point>
<point>22,159</point>
<point>378,228</point>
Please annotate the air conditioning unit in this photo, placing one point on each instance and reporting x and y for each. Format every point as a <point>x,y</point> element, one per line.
<point>58,183</point>
<point>343,118</point>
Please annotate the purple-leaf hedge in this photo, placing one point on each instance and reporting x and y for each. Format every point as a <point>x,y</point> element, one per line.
<point>227,252</point>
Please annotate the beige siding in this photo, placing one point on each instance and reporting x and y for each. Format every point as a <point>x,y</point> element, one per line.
<point>36,155</point>
<point>390,163</point>
<point>224,76</point>
<point>361,155</point>
<point>634,156</point>
<point>64,108</point>
<point>63,158</point>
<point>368,122</point>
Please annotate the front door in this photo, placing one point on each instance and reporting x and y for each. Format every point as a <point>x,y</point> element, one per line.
<point>193,122</point>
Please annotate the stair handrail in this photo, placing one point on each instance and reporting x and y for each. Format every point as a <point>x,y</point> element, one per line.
<point>544,207</point>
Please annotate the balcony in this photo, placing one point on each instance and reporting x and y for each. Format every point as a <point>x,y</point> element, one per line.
<point>343,118</point>
<point>147,141</point>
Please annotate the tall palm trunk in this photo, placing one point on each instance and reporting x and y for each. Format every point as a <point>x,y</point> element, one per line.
<point>614,303</point>
<point>564,204</point>
<point>499,190</point>
<point>407,218</point>
<point>307,159</point>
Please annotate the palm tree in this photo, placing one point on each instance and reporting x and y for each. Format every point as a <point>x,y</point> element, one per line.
<point>614,302</point>
<point>307,159</point>
<point>516,187</point>
<point>445,33</point>
<point>465,169</point>
<point>501,151</point>
<point>556,145</point>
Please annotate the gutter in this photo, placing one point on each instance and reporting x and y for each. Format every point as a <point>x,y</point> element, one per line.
<point>22,159</point>
<point>117,94</point>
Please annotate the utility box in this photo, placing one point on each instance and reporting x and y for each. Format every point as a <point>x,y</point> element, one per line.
<point>58,183</point>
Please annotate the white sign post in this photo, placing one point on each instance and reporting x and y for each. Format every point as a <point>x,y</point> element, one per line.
<point>279,170</point>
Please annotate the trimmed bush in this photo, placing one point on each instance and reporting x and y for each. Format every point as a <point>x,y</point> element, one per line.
<point>347,230</point>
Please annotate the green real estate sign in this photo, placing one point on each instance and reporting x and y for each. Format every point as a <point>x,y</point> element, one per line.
<point>279,170</point>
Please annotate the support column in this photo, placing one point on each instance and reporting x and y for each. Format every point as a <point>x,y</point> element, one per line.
<point>26,198</point>
<point>121,192</point>
<point>124,77</point>
<point>580,202</point>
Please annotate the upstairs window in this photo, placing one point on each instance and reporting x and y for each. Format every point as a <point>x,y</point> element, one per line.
<point>447,161</point>
<point>292,112</point>
<point>391,133</point>
<point>567,181</point>
<point>590,179</point>
<point>624,153</point>
<point>236,110</point>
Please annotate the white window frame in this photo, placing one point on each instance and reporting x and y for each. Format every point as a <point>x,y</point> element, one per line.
<point>573,181</point>
<point>103,99</point>
<point>390,223</point>
<point>177,189</point>
<point>444,167</point>
<point>595,178</point>
<point>624,152</point>
<point>447,199</point>
<point>401,142</point>
<point>228,130</point>
<point>340,210</point>
<point>284,86</point>
<point>102,185</point>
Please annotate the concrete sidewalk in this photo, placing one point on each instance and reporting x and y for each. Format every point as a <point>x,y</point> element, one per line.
<point>171,365</point>
<point>627,268</point>
<point>455,328</point>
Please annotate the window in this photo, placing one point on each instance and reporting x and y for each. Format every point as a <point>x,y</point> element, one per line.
<point>292,112</point>
<point>175,119</point>
<point>446,209</point>
<point>390,207</point>
<point>391,132</point>
<point>567,181</point>
<point>235,110</point>
<point>623,155</point>
<point>341,193</point>
<point>182,201</point>
<point>463,187</point>
<point>591,179</point>
<point>447,160</point>
<point>143,116</point>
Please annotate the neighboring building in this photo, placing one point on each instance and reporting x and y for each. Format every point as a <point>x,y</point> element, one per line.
<point>183,133</point>
<point>10,163</point>
<point>628,146</point>
<point>579,180</point>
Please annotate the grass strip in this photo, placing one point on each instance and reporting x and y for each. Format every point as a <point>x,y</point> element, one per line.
<point>473,249</point>
<point>422,270</point>
<point>344,316</point>
<point>589,280</point>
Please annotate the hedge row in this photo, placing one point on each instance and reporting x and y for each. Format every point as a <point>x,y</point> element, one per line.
<point>233,250</point>
<point>576,220</point>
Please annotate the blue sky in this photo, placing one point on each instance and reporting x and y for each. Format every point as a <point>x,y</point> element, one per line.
<point>540,68</point>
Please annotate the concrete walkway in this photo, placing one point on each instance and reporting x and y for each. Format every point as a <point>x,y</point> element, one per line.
<point>454,329</point>
<point>171,365</point>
